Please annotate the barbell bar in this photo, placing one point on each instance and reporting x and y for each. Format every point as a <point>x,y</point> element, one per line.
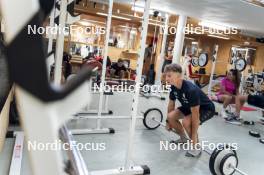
<point>223,160</point>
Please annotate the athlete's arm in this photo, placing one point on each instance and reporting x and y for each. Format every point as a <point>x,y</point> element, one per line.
<point>195,123</point>
<point>171,106</point>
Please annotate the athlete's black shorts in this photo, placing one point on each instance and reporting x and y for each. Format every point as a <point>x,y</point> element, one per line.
<point>205,114</point>
<point>256,100</point>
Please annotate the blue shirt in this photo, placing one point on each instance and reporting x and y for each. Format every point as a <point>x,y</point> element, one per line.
<point>191,95</point>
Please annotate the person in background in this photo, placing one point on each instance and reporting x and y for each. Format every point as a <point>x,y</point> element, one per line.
<point>147,59</point>
<point>89,57</point>
<point>118,69</point>
<point>254,100</point>
<point>66,64</point>
<point>108,62</point>
<point>229,89</point>
<point>167,60</point>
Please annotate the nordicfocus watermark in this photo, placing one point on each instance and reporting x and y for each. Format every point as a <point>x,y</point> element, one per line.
<point>188,29</point>
<point>58,29</point>
<point>125,87</point>
<point>200,30</point>
<point>170,146</point>
<point>58,145</point>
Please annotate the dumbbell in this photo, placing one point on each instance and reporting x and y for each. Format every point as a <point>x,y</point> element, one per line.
<point>223,159</point>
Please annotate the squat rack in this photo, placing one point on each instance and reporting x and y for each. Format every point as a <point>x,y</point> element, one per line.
<point>48,108</point>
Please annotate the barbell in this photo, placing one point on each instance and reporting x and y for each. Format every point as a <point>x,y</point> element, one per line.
<point>239,63</point>
<point>223,159</point>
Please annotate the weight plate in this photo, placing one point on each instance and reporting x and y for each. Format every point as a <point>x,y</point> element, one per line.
<point>195,62</point>
<point>233,54</point>
<point>254,134</point>
<point>150,118</point>
<point>212,160</point>
<point>229,160</point>
<point>249,123</point>
<point>240,64</point>
<point>203,59</point>
<point>261,141</point>
<point>216,157</point>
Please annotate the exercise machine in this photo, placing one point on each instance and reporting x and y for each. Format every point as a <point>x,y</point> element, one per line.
<point>48,107</point>
<point>17,155</point>
<point>99,128</point>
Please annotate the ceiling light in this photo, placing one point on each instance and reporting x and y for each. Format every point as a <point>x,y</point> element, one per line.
<point>133,32</point>
<point>154,24</point>
<point>84,23</point>
<point>92,21</point>
<point>221,37</point>
<point>138,9</point>
<point>141,10</point>
<point>212,25</point>
<point>133,28</point>
<point>246,43</point>
<point>189,38</point>
<point>114,16</point>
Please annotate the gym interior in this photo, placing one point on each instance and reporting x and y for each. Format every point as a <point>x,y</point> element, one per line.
<point>109,87</point>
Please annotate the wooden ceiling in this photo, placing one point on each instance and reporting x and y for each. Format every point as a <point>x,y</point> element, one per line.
<point>89,11</point>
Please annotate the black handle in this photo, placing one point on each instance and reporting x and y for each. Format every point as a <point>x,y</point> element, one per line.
<point>46,6</point>
<point>27,65</point>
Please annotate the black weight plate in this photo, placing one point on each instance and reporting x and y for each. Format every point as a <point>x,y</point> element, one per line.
<point>249,123</point>
<point>243,61</point>
<point>261,141</point>
<point>254,134</point>
<point>222,163</point>
<point>204,57</point>
<point>195,62</point>
<point>212,159</point>
<point>215,154</point>
<point>147,118</point>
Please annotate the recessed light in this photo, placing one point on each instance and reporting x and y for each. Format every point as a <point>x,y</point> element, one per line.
<point>221,37</point>
<point>114,16</point>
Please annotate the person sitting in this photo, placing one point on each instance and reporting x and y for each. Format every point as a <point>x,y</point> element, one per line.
<point>108,61</point>
<point>118,69</point>
<point>229,88</point>
<point>89,57</point>
<point>254,100</point>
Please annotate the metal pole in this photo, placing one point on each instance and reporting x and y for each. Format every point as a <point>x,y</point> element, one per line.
<point>52,16</point>
<point>242,77</point>
<point>102,84</point>
<point>179,39</point>
<point>163,47</point>
<point>51,60</point>
<point>138,81</point>
<point>212,71</point>
<point>239,171</point>
<point>185,66</point>
<point>76,160</point>
<point>60,43</point>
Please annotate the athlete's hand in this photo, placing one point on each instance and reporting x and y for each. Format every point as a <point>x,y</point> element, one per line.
<point>195,139</point>
<point>168,126</point>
